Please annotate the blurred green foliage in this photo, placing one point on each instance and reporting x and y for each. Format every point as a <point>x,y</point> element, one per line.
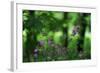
<point>56,36</point>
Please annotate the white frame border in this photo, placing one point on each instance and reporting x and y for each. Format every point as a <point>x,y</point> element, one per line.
<point>18,66</point>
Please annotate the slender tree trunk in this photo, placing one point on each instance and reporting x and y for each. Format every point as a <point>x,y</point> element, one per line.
<point>82,24</point>
<point>65,30</point>
<point>65,34</point>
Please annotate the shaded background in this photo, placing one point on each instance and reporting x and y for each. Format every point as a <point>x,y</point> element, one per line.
<point>53,36</point>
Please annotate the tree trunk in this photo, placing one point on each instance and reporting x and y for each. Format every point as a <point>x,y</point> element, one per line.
<point>31,37</point>
<point>65,33</point>
<point>65,30</point>
<point>82,24</point>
